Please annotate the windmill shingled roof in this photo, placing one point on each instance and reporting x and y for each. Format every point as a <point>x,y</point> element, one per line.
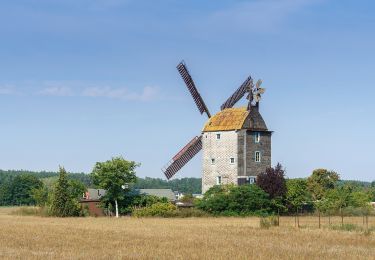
<point>227,119</point>
<point>236,118</point>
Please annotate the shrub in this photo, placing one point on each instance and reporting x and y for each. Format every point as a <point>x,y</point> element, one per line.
<point>160,209</point>
<point>134,200</point>
<point>232,200</point>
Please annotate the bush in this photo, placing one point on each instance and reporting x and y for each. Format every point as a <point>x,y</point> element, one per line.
<point>168,210</point>
<point>159,209</point>
<point>232,200</point>
<point>133,200</point>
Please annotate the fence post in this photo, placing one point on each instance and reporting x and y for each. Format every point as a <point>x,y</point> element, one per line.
<point>319,219</point>
<point>342,217</point>
<point>298,218</point>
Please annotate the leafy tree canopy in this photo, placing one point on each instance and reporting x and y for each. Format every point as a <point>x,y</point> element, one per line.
<point>320,181</point>
<point>297,194</point>
<point>273,182</point>
<point>112,175</point>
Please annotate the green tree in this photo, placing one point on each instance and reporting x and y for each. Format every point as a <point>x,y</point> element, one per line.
<point>361,199</point>
<point>337,200</point>
<point>297,194</point>
<point>63,204</point>
<point>76,188</point>
<point>21,188</point>
<point>40,195</point>
<point>5,193</point>
<point>320,181</point>
<point>112,175</point>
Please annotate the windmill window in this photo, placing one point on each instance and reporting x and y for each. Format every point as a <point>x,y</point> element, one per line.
<point>218,136</point>
<point>257,156</point>
<point>212,160</point>
<point>218,180</point>
<point>232,160</point>
<point>257,137</point>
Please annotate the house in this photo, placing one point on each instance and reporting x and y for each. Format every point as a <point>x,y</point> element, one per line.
<point>161,193</point>
<point>91,200</point>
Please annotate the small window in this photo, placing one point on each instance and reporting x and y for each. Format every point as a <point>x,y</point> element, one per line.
<point>232,160</point>
<point>218,180</point>
<point>218,136</point>
<point>257,156</point>
<point>257,137</point>
<point>212,160</point>
<point>251,180</point>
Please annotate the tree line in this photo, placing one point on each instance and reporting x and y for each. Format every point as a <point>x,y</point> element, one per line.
<point>323,191</point>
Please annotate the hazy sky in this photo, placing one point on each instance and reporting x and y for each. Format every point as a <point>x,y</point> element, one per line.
<point>84,80</point>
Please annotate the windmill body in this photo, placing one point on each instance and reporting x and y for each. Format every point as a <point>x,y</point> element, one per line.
<point>236,143</point>
<point>236,147</point>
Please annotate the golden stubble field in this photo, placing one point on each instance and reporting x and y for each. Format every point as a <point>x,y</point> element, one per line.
<point>192,238</point>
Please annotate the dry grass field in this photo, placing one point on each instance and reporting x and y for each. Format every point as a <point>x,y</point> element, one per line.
<point>27,237</point>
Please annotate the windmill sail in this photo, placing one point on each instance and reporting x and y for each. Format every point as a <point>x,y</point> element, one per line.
<point>240,92</point>
<point>182,69</point>
<point>183,157</point>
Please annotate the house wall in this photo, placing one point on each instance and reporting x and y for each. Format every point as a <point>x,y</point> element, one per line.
<point>221,150</point>
<point>93,207</point>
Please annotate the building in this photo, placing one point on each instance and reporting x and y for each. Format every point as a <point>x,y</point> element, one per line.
<point>236,142</point>
<point>161,193</point>
<point>236,147</point>
<point>91,200</point>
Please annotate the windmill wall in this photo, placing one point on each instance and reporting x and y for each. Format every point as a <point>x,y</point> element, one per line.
<point>239,145</point>
<point>247,147</point>
<point>221,150</point>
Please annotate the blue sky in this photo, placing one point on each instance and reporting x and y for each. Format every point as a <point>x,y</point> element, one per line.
<point>84,80</point>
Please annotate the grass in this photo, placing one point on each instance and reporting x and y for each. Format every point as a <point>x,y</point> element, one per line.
<point>27,237</point>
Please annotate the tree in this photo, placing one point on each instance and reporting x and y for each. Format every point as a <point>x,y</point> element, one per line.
<point>77,188</point>
<point>320,181</point>
<point>5,193</point>
<point>63,204</point>
<point>112,175</point>
<point>273,182</point>
<point>40,196</point>
<point>337,200</point>
<point>21,188</point>
<point>297,194</point>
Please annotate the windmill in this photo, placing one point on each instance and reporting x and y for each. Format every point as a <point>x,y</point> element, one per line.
<point>227,113</point>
